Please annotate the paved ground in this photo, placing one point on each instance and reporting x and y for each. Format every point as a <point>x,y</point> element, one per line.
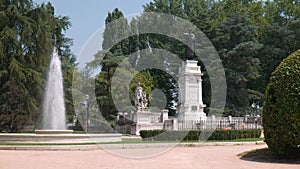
<point>206,157</point>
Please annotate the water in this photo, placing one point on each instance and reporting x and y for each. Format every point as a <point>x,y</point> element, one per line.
<point>54,117</point>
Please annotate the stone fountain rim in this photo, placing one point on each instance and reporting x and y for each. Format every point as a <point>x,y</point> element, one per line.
<point>50,131</point>
<point>34,138</point>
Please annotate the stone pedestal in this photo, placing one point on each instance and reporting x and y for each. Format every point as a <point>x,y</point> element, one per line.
<point>164,115</point>
<point>146,120</point>
<point>190,92</point>
<point>146,117</point>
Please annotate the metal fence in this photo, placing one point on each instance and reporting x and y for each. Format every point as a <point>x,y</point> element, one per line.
<point>211,123</point>
<point>234,123</point>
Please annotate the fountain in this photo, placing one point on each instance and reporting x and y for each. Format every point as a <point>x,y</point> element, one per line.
<point>53,127</point>
<point>53,115</point>
<point>53,106</point>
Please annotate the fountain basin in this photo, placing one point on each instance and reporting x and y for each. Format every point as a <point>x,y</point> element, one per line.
<point>53,131</point>
<point>33,138</point>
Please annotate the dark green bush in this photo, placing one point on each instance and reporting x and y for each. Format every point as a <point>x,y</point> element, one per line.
<point>162,135</point>
<point>281,111</point>
<point>153,133</point>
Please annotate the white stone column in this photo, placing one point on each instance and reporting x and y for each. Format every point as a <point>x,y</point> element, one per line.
<point>200,91</point>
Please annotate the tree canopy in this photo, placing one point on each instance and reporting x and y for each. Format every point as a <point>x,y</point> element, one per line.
<point>28,34</point>
<point>251,37</point>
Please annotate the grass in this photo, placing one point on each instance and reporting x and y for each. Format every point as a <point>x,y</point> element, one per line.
<point>44,144</point>
<point>266,155</point>
<point>125,141</point>
<point>239,140</point>
<point>196,141</point>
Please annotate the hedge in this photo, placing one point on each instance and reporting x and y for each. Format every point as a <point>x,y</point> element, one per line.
<point>163,135</point>
<point>281,110</point>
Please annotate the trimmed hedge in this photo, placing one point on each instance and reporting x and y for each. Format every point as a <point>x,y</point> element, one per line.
<point>281,110</point>
<point>163,135</point>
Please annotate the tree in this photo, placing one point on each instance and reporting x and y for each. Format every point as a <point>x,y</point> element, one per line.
<point>279,34</point>
<point>27,34</point>
<point>113,32</point>
<point>12,104</point>
<point>281,117</point>
<point>234,36</point>
<point>103,84</point>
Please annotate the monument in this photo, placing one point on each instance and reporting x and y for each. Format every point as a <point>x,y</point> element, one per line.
<point>190,107</point>
<point>141,101</point>
<point>190,49</point>
<point>143,118</point>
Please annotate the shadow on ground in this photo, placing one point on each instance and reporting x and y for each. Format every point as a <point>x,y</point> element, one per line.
<point>267,156</point>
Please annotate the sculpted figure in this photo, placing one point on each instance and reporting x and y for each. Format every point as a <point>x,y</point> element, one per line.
<point>190,49</point>
<point>140,101</point>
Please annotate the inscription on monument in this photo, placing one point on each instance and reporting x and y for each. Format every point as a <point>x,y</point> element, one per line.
<point>193,92</point>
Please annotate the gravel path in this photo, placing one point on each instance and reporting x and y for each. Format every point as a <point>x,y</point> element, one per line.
<point>206,157</point>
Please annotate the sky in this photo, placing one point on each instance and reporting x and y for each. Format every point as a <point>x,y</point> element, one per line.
<point>87,16</point>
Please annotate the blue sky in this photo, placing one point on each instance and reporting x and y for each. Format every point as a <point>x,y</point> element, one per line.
<point>87,16</point>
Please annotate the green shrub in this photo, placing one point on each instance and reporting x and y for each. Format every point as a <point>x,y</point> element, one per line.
<point>162,135</point>
<point>153,133</point>
<point>281,111</point>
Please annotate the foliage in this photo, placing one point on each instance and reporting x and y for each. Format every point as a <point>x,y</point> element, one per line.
<point>251,37</point>
<point>163,135</point>
<point>27,36</point>
<point>12,115</point>
<point>281,115</point>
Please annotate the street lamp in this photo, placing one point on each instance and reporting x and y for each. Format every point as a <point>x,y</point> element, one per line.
<point>86,99</point>
<point>255,107</point>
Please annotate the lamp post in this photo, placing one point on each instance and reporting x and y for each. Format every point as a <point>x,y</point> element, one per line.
<point>255,108</point>
<point>86,99</point>
<point>253,105</point>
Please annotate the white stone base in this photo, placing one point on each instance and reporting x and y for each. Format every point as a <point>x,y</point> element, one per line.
<point>136,128</point>
<point>146,117</point>
<point>192,116</point>
<point>143,120</point>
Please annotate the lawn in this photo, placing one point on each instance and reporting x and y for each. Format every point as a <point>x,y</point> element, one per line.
<point>129,141</point>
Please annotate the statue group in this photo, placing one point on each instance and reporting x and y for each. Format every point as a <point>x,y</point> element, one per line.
<point>141,101</point>
<point>190,48</point>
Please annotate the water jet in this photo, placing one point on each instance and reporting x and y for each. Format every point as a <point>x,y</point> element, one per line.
<point>53,115</point>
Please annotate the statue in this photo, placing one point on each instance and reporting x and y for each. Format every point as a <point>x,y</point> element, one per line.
<point>141,101</point>
<point>190,38</point>
<point>144,100</point>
